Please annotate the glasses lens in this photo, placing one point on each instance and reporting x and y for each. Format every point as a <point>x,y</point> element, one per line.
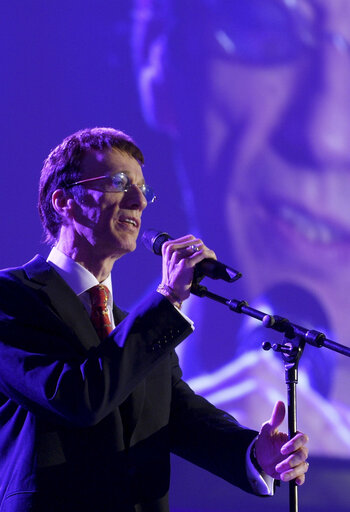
<point>120,181</point>
<point>148,192</point>
<point>258,32</point>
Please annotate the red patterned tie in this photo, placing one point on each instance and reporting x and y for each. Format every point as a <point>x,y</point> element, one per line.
<point>99,296</point>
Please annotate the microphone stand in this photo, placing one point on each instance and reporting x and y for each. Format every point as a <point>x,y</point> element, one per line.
<point>291,349</point>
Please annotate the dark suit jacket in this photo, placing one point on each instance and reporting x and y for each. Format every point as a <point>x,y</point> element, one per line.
<point>89,425</point>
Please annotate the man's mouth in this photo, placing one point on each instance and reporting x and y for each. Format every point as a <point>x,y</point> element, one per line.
<point>130,220</point>
<point>313,229</point>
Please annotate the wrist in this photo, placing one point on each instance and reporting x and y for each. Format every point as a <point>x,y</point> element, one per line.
<point>169,293</point>
<point>254,459</point>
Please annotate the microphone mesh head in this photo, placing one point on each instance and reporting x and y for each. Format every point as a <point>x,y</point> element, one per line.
<point>153,240</point>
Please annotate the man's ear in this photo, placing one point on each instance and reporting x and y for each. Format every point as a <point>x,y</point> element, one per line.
<point>62,203</point>
<point>154,72</point>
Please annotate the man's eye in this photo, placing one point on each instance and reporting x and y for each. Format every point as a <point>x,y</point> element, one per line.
<point>120,181</point>
<point>260,32</point>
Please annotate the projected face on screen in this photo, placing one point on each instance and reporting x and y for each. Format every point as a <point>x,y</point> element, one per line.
<point>257,97</point>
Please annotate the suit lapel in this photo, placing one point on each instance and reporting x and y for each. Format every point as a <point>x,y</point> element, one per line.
<point>62,300</point>
<point>66,305</point>
<point>131,408</point>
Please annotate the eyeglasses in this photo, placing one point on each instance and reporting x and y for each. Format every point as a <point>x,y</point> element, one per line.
<point>119,182</point>
<point>270,32</point>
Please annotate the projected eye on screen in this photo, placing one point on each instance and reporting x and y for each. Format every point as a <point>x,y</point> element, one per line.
<point>241,110</point>
<point>256,97</point>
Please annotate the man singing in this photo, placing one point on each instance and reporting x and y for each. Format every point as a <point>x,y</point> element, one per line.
<point>91,399</point>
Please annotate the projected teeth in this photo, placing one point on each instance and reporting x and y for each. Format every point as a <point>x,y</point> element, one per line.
<point>314,230</point>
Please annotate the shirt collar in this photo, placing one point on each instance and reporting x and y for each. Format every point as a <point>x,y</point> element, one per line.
<point>75,275</point>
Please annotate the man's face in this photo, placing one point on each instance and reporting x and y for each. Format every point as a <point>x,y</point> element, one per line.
<point>274,131</point>
<point>105,220</point>
<point>287,202</point>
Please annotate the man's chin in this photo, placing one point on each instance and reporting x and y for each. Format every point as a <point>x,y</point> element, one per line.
<point>117,248</point>
<point>125,247</point>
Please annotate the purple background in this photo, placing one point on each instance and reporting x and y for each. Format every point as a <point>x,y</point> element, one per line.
<point>68,65</point>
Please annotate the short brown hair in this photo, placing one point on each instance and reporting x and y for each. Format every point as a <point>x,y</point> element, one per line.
<point>62,167</point>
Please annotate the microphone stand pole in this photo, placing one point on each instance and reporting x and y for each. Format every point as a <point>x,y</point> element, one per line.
<point>292,347</point>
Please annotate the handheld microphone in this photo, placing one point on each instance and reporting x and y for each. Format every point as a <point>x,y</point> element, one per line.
<point>153,241</point>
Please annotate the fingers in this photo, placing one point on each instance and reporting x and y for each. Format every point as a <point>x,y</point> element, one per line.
<point>187,248</point>
<point>295,465</point>
<point>183,246</point>
<point>278,456</point>
<point>297,473</point>
<point>179,259</point>
<point>277,416</point>
<point>301,479</point>
<point>297,442</point>
<point>179,244</point>
<point>293,460</point>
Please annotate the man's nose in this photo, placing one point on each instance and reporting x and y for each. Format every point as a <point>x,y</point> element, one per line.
<point>315,129</point>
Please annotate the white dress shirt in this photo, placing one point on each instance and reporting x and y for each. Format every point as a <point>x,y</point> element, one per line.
<point>79,279</point>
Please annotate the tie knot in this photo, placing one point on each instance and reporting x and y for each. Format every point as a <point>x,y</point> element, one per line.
<point>99,296</point>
